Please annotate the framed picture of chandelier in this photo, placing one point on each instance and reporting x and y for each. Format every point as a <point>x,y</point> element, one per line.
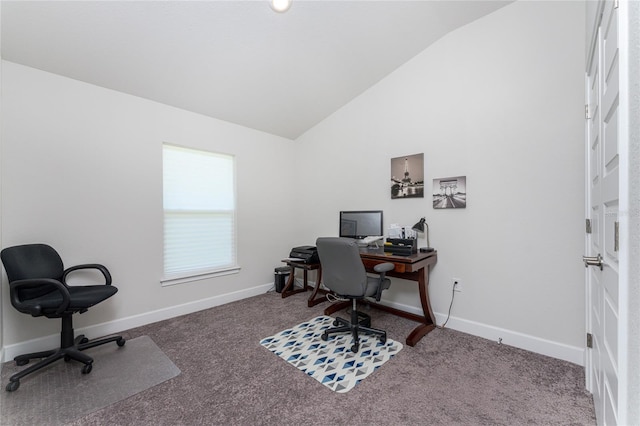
<point>450,193</point>
<point>407,176</point>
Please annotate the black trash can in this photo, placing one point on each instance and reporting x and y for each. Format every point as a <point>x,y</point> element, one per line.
<point>281,277</point>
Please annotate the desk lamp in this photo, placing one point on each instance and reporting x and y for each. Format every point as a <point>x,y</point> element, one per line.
<point>423,227</point>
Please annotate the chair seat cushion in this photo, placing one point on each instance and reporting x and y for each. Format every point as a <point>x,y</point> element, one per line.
<point>81,298</point>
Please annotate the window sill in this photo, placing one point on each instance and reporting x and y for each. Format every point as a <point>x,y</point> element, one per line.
<point>198,277</point>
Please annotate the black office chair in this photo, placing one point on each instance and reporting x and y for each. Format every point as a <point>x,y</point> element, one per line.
<point>37,282</point>
<point>343,273</point>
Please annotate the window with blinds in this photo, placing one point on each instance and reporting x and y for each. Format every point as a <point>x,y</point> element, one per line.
<point>199,214</point>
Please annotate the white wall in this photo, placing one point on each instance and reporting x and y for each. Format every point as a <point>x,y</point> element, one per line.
<point>82,171</point>
<point>500,101</point>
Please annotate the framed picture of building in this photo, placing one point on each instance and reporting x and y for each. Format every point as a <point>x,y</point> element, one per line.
<point>450,193</point>
<point>407,176</point>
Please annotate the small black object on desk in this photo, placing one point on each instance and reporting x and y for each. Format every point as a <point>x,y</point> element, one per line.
<point>401,246</point>
<point>306,254</point>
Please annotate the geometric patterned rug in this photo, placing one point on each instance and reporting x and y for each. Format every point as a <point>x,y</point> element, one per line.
<point>331,363</point>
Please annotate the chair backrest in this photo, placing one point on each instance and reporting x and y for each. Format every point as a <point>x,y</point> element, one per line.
<point>342,268</point>
<point>32,261</point>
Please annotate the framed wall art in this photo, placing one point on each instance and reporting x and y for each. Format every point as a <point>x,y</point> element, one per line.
<point>450,193</point>
<point>407,176</point>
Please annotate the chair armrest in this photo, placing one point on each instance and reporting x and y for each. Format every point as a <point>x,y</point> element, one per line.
<point>18,285</point>
<point>382,269</point>
<point>101,268</point>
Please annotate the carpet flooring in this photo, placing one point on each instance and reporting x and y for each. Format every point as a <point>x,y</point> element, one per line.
<point>448,378</point>
<point>59,393</point>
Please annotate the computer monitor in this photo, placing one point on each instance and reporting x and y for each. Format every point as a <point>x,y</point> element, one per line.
<point>360,224</point>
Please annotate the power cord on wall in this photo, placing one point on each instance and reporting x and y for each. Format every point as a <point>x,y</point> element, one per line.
<point>453,294</point>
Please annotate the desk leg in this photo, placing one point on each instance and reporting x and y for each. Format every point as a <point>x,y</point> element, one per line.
<point>429,320</point>
<point>288,288</point>
<point>338,306</point>
<point>312,299</point>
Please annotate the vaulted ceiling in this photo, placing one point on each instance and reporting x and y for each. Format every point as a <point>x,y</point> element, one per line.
<point>233,60</point>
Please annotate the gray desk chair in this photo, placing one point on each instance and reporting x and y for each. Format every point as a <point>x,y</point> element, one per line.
<point>344,274</point>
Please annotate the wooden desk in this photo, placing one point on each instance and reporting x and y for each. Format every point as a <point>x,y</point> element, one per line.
<point>413,268</point>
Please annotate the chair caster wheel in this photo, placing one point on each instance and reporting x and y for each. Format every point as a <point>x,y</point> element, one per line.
<point>383,340</point>
<point>336,323</point>
<point>355,348</point>
<point>324,337</point>
<point>67,358</point>
<point>84,340</point>
<point>12,386</point>
<point>87,369</point>
<point>22,362</point>
<point>120,342</point>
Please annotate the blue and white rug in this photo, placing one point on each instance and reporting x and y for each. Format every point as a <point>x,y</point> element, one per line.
<point>331,363</point>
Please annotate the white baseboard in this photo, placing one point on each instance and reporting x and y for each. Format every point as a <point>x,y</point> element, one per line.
<point>503,336</point>
<point>48,342</point>
<point>573,354</point>
<point>557,350</point>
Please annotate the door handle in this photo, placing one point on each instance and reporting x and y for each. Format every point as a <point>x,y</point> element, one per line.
<point>593,261</point>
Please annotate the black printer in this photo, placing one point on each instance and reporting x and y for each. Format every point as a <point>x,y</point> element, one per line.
<point>306,254</point>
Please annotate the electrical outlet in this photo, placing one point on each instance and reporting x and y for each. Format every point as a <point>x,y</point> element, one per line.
<point>457,284</point>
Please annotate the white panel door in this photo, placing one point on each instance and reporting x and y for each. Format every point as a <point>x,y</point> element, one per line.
<point>602,211</point>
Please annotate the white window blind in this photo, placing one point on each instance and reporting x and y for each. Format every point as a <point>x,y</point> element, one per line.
<point>199,212</point>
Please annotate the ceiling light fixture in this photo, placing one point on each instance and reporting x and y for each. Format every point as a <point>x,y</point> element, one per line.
<point>280,6</point>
